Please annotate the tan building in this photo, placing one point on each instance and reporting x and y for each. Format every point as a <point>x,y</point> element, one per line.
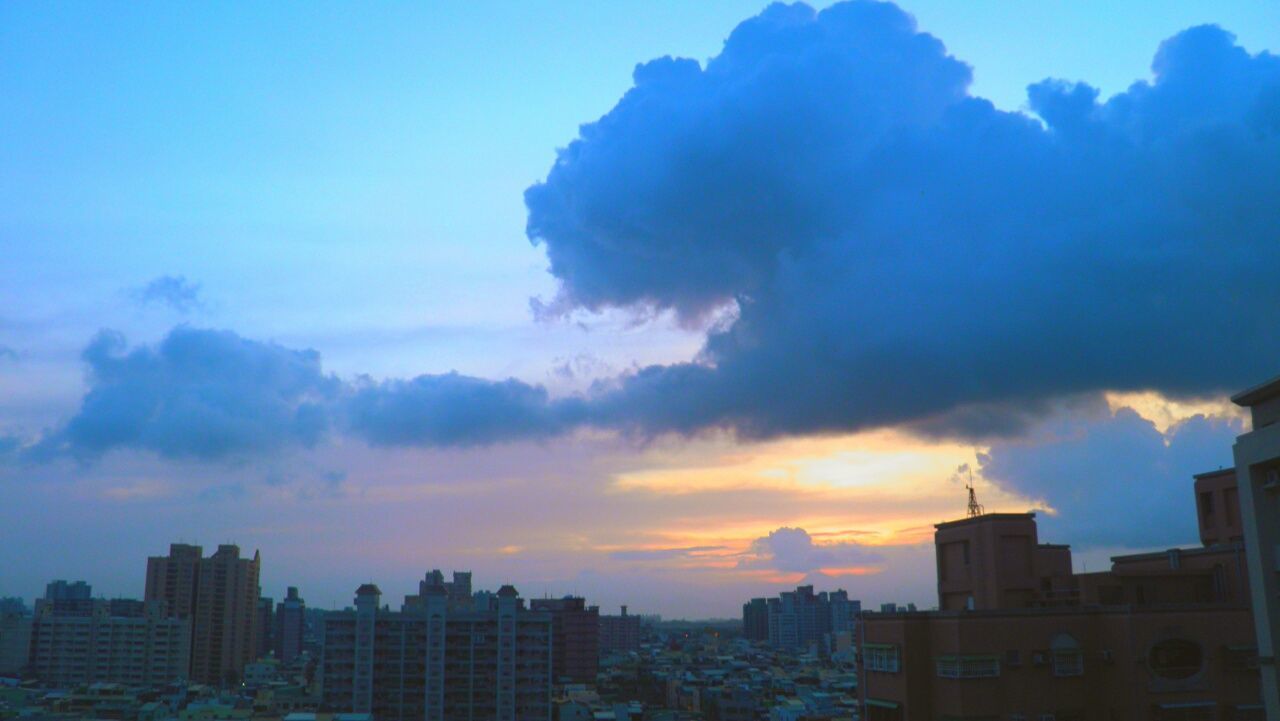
<point>1160,636</point>
<point>219,596</point>
<point>1257,455</point>
<point>118,641</point>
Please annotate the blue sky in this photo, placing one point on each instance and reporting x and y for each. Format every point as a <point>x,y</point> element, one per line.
<point>350,180</point>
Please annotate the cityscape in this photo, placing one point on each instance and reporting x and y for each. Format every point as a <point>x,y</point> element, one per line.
<point>831,360</point>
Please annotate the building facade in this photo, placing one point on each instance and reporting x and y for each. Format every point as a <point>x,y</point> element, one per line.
<point>1160,636</point>
<point>219,596</point>
<point>290,626</point>
<point>439,659</point>
<point>118,641</point>
<point>15,642</point>
<point>619,634</point>
<point>801,619</point>
<point>575,638</point>
<point>1257,457</point>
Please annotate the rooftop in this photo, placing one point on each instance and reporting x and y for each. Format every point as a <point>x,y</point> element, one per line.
<point>986,517</point>
<point>1258,394</point>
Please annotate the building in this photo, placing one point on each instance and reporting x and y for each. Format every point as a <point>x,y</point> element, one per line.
<point>15,642</point>
<point>619,634</point>
<point>219,595</point>
<point>266,627</point>
<point>755,620</point>
<point>575,638</point>
<point>1257,457</point>
<point>119,641</point>
<point>1166,635</point>
<point>802,620</point>
<point>437,659</point>
<point>290,626</point>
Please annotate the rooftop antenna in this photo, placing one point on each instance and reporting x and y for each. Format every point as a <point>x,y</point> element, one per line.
<point>975,508</point>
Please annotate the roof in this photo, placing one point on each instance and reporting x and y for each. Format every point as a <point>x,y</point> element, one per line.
<point>986,517</point>
<point>1257,394</point>
<point>368,588</point>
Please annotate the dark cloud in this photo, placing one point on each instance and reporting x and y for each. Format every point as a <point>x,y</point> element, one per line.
<point>901,252</point>
<point>875,245</point>
<point>197,394</point>
<point>211,394</point>
<point>454,410</point>
<point>174,291</point>
<point>793,550</point>
<point>1114,480</point>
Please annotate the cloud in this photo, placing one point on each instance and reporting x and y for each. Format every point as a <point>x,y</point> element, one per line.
<point>867,243</point>
<point>793,550</point>
<point>663,554</point>
<point>7,353</point>
<point>174,291</point>
<point>212,394</point>
<point>454,410</point>
<point>201,394</point>
<point>900,251</point>
<point>1113,479</point>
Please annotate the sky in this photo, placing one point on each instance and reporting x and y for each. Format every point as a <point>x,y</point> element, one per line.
<point>664,304</point>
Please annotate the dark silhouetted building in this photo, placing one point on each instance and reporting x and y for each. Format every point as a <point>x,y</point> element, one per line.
<point>619,634</point>
<point>755,620</point>
<point>575,638</point>
<point>265,610</point>
<point>290,626</point>
<point>219,595</point>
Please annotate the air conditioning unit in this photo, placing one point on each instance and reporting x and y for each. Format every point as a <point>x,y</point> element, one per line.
<point>1040,659</point>
<point>1108,656</point>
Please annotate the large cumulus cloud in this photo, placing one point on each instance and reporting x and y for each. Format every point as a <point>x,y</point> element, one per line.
<point>899,251</point>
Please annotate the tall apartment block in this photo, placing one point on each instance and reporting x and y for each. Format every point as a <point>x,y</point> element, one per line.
<point>1158,637</point>
<point>802,619</point>
<point>1257,456</point>
<point>437,658</point>
<point>15,641</point>
<point>219,596</point>
<point>118,641</point>
<point>575,638</point>
<point>619,633</point>
<point>290,626</point>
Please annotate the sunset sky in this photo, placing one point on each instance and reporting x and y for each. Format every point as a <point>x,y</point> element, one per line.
<point>666,304</point>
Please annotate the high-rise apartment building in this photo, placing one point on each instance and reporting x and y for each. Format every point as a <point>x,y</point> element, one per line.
<point>265,610</point>
<point>802,619</point>
<point>290,626</point>
<point>118,641</point>
<point>438,660</point>
<point>619,634</point>
<point>219,595</point>
<point>15,641</point>
<point>575,638</point>
<point>755,620</point>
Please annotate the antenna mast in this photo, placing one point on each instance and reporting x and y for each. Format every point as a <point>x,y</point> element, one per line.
<point>975,508</point>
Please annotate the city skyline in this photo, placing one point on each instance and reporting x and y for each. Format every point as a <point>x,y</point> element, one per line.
<point>379,292</point>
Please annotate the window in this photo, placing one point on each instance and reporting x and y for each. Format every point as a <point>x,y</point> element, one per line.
<point>1206,505</point>
<point>1175,659</point>
<point>968,666</point>
<point>1068,663</point>
<point>881,657</point>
